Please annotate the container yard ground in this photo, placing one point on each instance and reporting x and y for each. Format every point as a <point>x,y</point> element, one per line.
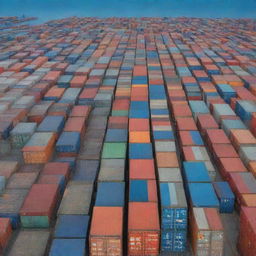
<point>127,136</point>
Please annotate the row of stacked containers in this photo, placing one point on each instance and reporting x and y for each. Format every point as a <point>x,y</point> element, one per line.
<point>134,144</point>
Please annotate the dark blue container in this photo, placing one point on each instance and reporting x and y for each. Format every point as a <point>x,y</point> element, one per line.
<point>142,191</point>
<point>203,195</point>
<point>196,172</point>
<point>226,92</point>
<point>139,109</point>
<point>6,128</point>
<point>225,196</point>
<point>116,135</point>
<point>68,142</point>
<point>52,124</point>
<point>173,206</point>
<point>71,226</point>
<point>14,218</point>
<point>163,135</point>
<point>155,112</point>
<point>140,151</point>
<point>137,113</point>
<point>157,92</point>
<point>139,80</point>
<point>61,247</point>
<point>110,194</point>
<point>173,240</point>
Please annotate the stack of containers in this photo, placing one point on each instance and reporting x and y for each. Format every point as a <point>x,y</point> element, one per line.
<point>106,233</point>
<point>143,218</point>
<point>173,205</point>
<point>198,169</point>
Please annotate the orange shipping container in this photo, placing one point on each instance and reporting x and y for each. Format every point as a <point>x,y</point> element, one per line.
<point>143,229</point>
<point>106,231</point>
<point>166,159</point>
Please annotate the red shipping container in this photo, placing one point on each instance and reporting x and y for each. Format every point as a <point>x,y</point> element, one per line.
<point>206,122</point>
<point>57,168</point>
<point>253,124</point>
<point>242,137</point>
<point>139,124</point>
<point>118,122</point>
<point>81,111</point>
<point>230,165</point>
<point>186,124</point>
<point>52,76</point>
<point>247,234</point>
<point>143,229</point>
<point>75,124</point>
<point>242,183</point>
<point>121,104</point>
<point>181,110</point>
<point>40,201</point>
<point>216,136</point>
<point>224,151</point>
<point>142,169</point>
<point>106,231</point>
<point>5,233</point>
<point>78,81</point>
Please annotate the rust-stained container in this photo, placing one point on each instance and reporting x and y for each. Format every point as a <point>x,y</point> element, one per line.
<point>247,234</point>
<point>5,233</point>
<point>242,183</point>
<point>143,229</point>
<point>106,231</point>
<point>166,159</point>
<point>39,148</point>
<point>207,234</point>
<point>39,206</point>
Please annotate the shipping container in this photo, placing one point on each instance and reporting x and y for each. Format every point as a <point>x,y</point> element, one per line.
<point>39,148</point>
<point>143,228</point>
<point>5,233</point>
<point>142,191</point>
<point>76,198</point>
<point>30,242</point>
<point>247,233</point>
<point>206,230</point>
<point>110,194</point>
<point>225,196</point>
<point>72,226</point>
<point>106,231</point>
<point>39,206</point>
<point>199,199</point>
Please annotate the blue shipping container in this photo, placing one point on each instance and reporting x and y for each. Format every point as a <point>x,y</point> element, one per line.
<point>68,142</point>
<point>196,172</point>
<point>61,247</point>
<point>203,195</point>
<point>173,206</point>
<point>225,196</point>
<point>140,151</point>
<point>173,240</point>
<point>71,226</point>
<point>110,194</point>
